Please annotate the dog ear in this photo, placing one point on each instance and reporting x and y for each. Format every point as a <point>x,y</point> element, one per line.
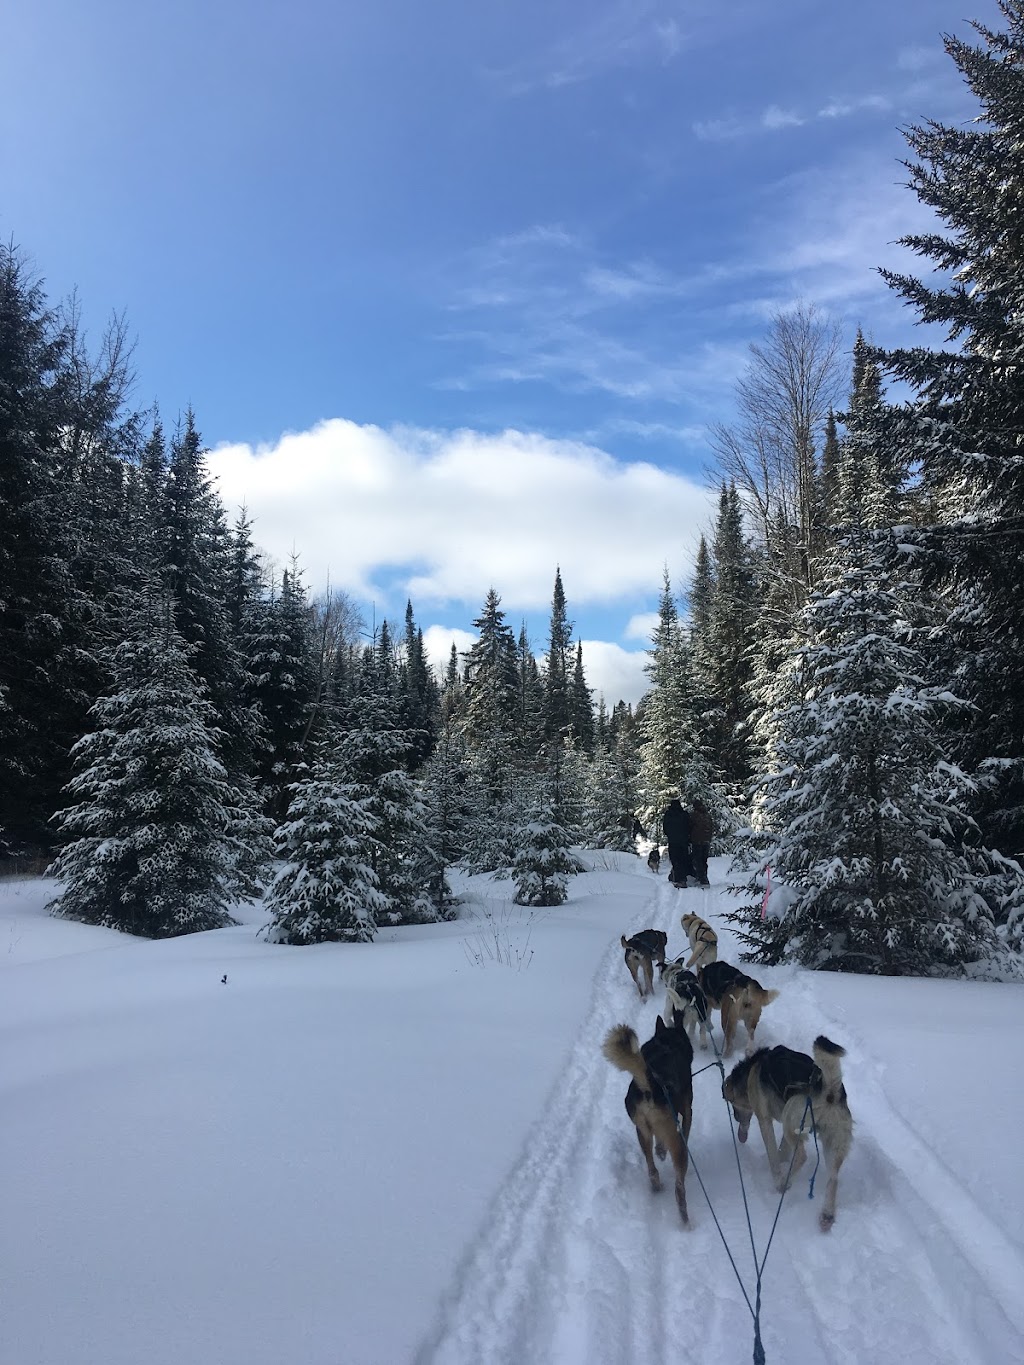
<point>622,940</point>
<point>659,1026</point>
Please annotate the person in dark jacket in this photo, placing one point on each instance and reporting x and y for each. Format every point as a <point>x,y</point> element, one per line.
<point>676,824</point>
<point>701,833</point>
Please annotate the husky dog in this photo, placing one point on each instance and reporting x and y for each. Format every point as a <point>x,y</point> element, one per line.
<point>775,1085</point>
<point>738,997</point>
<point>660,1096</point>
<point>686,1005</point>
<point>703,940</point>
<point>654,860</point>
<point>642,951</point>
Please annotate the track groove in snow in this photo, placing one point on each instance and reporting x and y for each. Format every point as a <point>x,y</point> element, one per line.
<point>578,1262</point>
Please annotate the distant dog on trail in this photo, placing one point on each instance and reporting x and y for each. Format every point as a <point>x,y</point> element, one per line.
<point>703,940</point>
<point>642,951</point>
<point>737,995</point>
<point>654,860</point>
<point>661,1089</point>
<point>775,1085</point>
<point>686,1005</point>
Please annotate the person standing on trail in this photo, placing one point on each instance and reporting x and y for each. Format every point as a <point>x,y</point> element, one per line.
<point>676,824</point>
<point>701,833</point>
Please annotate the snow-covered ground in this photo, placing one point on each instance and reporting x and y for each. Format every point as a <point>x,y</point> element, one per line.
<point>414,1151</point>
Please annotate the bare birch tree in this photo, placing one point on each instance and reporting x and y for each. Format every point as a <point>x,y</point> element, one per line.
<point>771,452</point>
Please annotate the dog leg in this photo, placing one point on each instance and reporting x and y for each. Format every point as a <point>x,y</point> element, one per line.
<point>751,1018</point>
<point>645,1139</point>
<point>677,1150</point>
<point>729,1022</point>
<point>835,1160</point>
<point>795,1143</point>
<point>828,1213</point>
<point>768,1135</point>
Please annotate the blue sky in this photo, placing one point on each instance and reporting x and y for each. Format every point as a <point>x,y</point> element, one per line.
<point>494,267</point>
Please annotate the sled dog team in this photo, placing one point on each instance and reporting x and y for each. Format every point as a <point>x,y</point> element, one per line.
<point>771,1084</point>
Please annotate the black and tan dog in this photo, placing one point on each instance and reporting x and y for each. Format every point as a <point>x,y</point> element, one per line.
<point>738,996</point>
<point>660,1096</point>
<point>642,951</point>
<point>686,1005</point>
<point>654,860</point>
<point>703,940</point>
<point>774,1085</point>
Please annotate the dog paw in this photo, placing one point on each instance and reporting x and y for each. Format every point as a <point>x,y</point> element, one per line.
<point>825,1221</point>
<point>655,1183</point>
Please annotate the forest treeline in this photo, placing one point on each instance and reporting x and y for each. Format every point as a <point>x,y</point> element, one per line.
<point>838,680</point>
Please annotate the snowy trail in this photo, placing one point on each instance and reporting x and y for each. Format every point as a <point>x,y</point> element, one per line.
<point>578,1262</point>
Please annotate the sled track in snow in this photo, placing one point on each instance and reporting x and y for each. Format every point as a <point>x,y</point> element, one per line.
<point>579,1264</point>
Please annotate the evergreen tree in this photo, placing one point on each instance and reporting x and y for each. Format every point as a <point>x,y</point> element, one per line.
<point>280,665</point>
<point>197,571</point>
<point>829,502</point>
<point>731,631</point>
<point>34,583</point>
<point>867,819</point>
<point>530,709</point>
<point>447,798</point>
<point>964,424</point>
<point>558,710</point>
<point>326,890</point>
<point>543,860</point>
<point>154,822</point>
<point>671,760</point>
<point>419,694</point>
<point>702,596</point>
<point>492,692</point>
<point>610,804</point>
<point>581,699</point>
<point>371,749</point>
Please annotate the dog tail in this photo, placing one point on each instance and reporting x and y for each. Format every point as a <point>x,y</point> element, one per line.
<point>828,1057</point>
<point>759,996</point>
<point>622,1048</point>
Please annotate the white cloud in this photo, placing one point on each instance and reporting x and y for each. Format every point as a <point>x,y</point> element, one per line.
<point>615,673</point>
<point>438,641</point>
<point>775,118</point>
<point>443,516</point>
<point>625,33</point>
<point>641,626</point>
<point>844,108</point>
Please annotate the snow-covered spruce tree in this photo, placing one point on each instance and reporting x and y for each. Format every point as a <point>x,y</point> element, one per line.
<point>371,747</point>
<point>611,801</point>
<point>582,706</point>
<point>493,737</point>
<point>154,822</point>
<point>447,798</point>
<point>966,422</point>
<point>281,665</point>
<point>672,760</point>
<point>326,890</point>
<point>558,712</point>
<point>731,625</point>
<point>418,693</point>
<point>529,714</point>
<point>197,568</point>
<point>866,819</point>
<point>543,859</point>
<point>34,580</point>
